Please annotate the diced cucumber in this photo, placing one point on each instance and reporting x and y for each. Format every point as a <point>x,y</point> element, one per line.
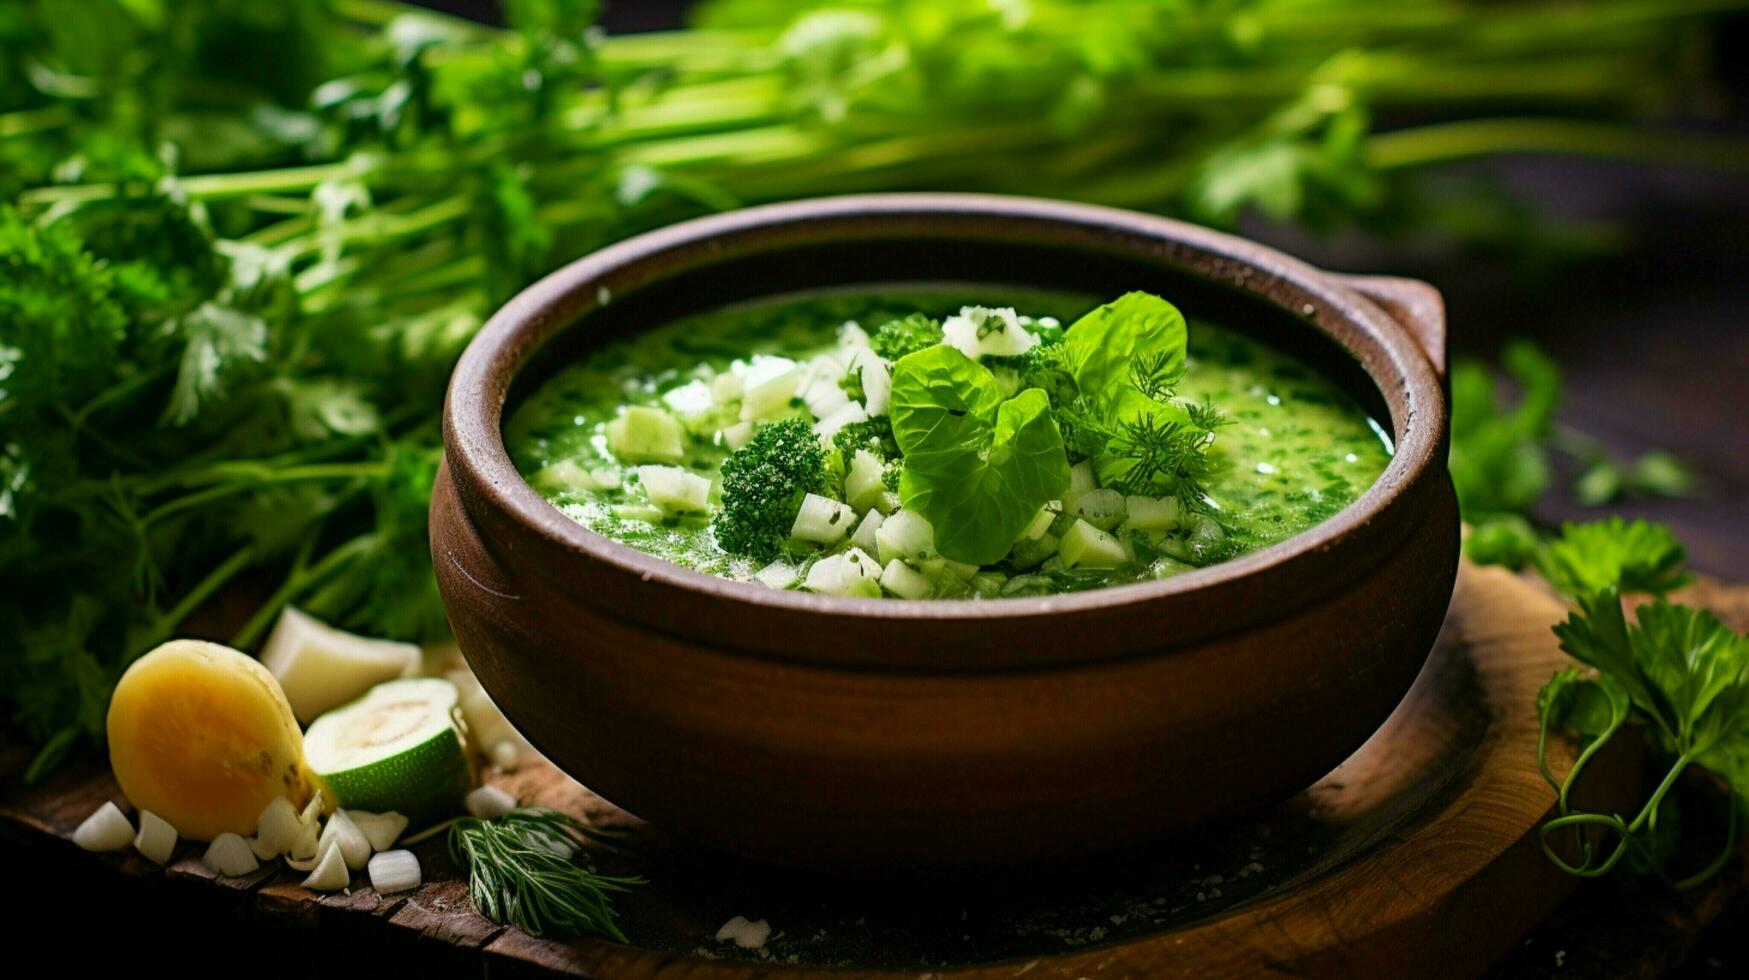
<point>566,473</point>
<point>675,490</point>
<point>768,387</point>
<point>906,534</point>
<point>877,384</point>
<point>963,570</point>
<point>988,584</point>
<point>821,392</point>
<point>1086,546</point>
<point>1104,509</point>
<point>1028,552</point>
<point>736,436</point>
<point>1041,524</point>
<point>648,513</point>
<point>822,520</point>
<point>646,435</point>
<point>851,336</point>
<point>838,418</point>
<point>1153,513</point>
<point>864,535</point>
<point>904,581</point>
<point>1081,482</point>
<point>777,575</point>
<point>690,400</point>
<point>862,485</point>
<point>849,573</point>
<point>727,388</point>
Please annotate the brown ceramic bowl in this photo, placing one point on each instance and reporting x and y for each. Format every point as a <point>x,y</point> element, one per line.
<point>884,736</point>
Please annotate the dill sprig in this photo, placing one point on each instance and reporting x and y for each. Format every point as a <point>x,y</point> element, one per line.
<point>522,871</point>
<point>1170,450</point>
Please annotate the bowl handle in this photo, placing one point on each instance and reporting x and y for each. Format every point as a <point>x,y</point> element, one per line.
<point>1412,303</point>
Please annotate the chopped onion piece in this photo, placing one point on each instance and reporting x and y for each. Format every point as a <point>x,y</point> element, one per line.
<point>330,874</point>
<point>156,839</point>
<point>105,830</point>
<point>344,834</point>
<point>381,829</point>
<point>394,871</point>
<point>229,855</point>
<point>489,803</point>
<point>277,828</point>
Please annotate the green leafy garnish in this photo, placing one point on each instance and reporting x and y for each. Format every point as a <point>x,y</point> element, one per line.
<point>1127,358</point>
<point>1677,670</point>
<point>1499,454</point>
<point>522,871</point>
<point>976,466</point>
<point>1640,556</point>
<point>906,335</point>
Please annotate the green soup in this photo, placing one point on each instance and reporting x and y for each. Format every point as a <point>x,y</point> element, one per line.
<point>1295,448</point>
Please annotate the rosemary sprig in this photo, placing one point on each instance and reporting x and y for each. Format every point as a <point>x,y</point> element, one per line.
<point>522,871</point>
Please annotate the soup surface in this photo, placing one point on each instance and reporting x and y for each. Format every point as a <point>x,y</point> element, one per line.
<point>631,441</point>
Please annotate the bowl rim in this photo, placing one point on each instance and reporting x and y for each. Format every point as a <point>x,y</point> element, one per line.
<point>481,382</point>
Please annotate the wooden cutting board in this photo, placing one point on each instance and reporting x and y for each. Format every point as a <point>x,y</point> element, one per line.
<point>1413,858</point>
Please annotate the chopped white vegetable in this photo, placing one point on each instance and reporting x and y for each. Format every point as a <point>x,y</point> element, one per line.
<point>745,934</point>
<point>675,490</point>
<point>320,667</point>
<point>877,385</point>
<point>229,855</point>
<point>736,436</point>
<point>864,535</point>
<point>261,850</point>
<point>107,829</point>
<point>690,400</point>
<point>1047,515</point>
<point>962,570</point>
<point>848,413</point>
<point>777,575</point>
<point>642,434</point>
<point>1081,481</point>
<point>904,581</point>
<point>342,833</point>
<point>906,534</point>
<point>330,873</point>
<point>505,754</point>
<point>278,827</point>
<point>979,330</point>
<point>489,803</point>
<point>726,388</point>
<point>851,573</point>
<point>381,829</point>
<point>863,488</point>
<point>852,337</point>
<point>822,520</point>
<point>1085,546</point>
<point>769,385</point>
<point>156,840</point>
<point>394,871</point>
<point>567,474</point>
<point>821,392</point>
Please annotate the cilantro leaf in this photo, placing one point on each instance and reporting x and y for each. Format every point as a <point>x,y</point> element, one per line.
<point>1499,453</point>
<point>1640,556</point>
<point>976,466</point>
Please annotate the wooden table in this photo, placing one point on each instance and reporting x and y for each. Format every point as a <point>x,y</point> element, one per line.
<point>1413,858</point>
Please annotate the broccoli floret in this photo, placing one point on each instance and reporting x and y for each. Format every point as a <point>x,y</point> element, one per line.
<point>1042,367</point>
<point>874,435</point>
<point>896,338</point>
<point>763,486</point>
<point>890,475</point>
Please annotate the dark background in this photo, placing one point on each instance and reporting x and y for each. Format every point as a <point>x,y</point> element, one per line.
<point>1654,338</point>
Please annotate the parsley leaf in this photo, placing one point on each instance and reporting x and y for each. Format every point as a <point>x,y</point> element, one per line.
<point>976,466</point>
<point>1640,556</point>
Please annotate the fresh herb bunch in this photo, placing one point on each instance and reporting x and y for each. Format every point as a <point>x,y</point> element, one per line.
<point>1504,453</point>
<point>1677,672</point>
<point>523,871</point>
<point>247,241</point>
